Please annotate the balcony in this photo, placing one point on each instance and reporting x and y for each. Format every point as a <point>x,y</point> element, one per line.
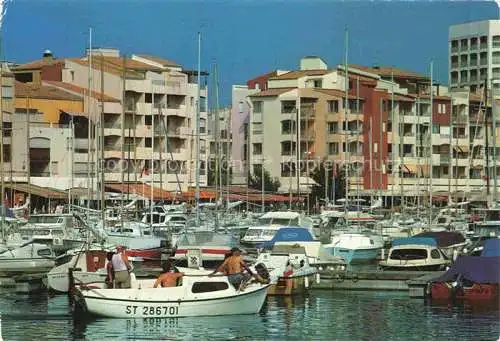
<point>180,111</point>
<point>180,132</point>
<point>176,87</point>
<point>483,46</point>
<point>483,62</point>
<point>444,159</point>
<point>454,49</point>
<point>454,65</point>
<point>144,108</point>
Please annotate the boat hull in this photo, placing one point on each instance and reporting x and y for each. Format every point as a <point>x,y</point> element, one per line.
<point>413,267</point>
<point>354,256</point>
<point>477,292</point>
<point>25,266</point>
<point>96,302</point>
<point>290,286</point>
<point>59,281</point>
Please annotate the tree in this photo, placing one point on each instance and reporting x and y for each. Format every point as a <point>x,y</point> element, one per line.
<point>271,185</point>
<point>323,178</point>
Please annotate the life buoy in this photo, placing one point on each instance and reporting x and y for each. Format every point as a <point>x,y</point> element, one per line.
<point>355,278</point>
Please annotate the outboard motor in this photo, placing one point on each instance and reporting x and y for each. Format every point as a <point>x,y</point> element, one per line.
<point>262,271</point>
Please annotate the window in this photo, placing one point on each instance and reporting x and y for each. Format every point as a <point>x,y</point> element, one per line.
<point>203,104</point>
<point>148,142</point>
<point>435,129</point>
<point>435,254</point>
<point>333,127</point>
<point>72,73</point>
<point>148,98</point>
<point>287,107</point>
<point>257,107</point>
<point>257,149</point>
<point>287,127</point>
<point>44,253</point>
<point>408,254</point>
<point>318,83</point>
<point>148,120</point>
<point>333,106</point>
<point>257,128</point>
<point>333,148</point>
<point>441,108</point>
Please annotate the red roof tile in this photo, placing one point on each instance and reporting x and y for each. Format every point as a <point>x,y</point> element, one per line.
<point>24,90</point>
<point>272,92</point>
<point>82,91</point>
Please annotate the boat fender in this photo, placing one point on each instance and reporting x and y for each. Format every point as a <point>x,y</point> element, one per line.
<point>318,278</point>
<point>306,281</point>
<point>355,278</point>
<point>340,278</point>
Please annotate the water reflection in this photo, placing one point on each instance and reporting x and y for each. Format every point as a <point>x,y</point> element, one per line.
<point>322,315</point>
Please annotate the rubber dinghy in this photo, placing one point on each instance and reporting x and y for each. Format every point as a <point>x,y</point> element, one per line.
<point>196,296</point>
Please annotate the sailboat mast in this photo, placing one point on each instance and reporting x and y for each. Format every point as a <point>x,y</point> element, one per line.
<point>430,148</point>
<point>357,145</point>
<point>2,184</point>
<point>494,138</point>
<point>218,182</point>
<point>197,162</point>
<point>103,198</point>
<point>123,138</point>
<point>346,106</point>
<point>71,148</point>
<point>152,156</point>
<point>393,145</point>
<point>89,125</point>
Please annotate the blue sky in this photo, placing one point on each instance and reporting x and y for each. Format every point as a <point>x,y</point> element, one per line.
<point>245,38</point>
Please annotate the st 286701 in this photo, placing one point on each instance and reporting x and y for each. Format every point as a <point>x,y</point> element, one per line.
<point>152,310</point>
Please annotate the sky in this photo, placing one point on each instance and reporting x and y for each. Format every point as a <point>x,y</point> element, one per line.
<point>244,38</point>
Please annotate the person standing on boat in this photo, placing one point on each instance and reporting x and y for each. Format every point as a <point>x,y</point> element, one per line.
<point>168,278</point>
<point>233,266</point>
<point>122,268</point>
<point>110,275</point>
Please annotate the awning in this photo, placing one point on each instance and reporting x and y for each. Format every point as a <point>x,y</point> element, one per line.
<point>461,149</point>
<point>142,190</point>
<point>44,192</point>
<point>409,168</point>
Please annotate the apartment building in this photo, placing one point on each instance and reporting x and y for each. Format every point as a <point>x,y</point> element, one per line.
<point>142,109</point>
<point>474,54</point>
<point>391,136</point>
<point>7,102</point>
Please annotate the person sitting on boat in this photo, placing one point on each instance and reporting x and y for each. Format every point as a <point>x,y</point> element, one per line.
<point>168,278</point>
<point>122,269</point>
<point>288,270</point>
<point>110,275</point>
<point>233,266</point>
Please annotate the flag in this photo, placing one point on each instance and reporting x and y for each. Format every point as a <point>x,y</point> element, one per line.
<point>334,171</point>
<point>6,200</point>
<point>144,172</point>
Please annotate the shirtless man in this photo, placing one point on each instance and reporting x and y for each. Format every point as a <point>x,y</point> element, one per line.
<point>167,278</point>
<point>233,266</point>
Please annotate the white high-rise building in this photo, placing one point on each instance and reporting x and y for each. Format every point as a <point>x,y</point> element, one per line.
<point>474,51</point>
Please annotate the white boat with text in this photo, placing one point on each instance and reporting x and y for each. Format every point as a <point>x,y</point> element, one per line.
<point>196,296</point>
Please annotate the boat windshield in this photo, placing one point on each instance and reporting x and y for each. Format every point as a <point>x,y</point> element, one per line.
<point>279,221</point>
<point>408,254</point>
<point>43,220</point>
<point>253,232</point>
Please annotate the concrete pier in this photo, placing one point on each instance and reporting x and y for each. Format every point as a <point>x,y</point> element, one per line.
<point>415,282</point>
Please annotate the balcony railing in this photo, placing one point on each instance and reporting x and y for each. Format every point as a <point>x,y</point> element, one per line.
<point>474,46</point>
<point>454,49</point>
<point>483,62</point>
<point>454,65</point>
<point>483,46</point>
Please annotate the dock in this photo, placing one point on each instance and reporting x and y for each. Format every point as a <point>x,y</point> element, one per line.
<point>414,282</point>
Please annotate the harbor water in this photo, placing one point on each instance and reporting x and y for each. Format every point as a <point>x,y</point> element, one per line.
<point>320,315</point>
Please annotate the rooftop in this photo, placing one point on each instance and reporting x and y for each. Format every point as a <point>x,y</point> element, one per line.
<point>272,92</point>
<point>23,90</point>
<point>81,91</point>
<point>159,60</point>
<point>301,73</point>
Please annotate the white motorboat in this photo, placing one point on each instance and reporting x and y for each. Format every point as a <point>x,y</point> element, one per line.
<point>415,253</point>
<point>88,266</point>
<point>355,247</point>
<point>271,222</point>
<point>29,258</point>
<point>196,296</point>
<point>301,272</point>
